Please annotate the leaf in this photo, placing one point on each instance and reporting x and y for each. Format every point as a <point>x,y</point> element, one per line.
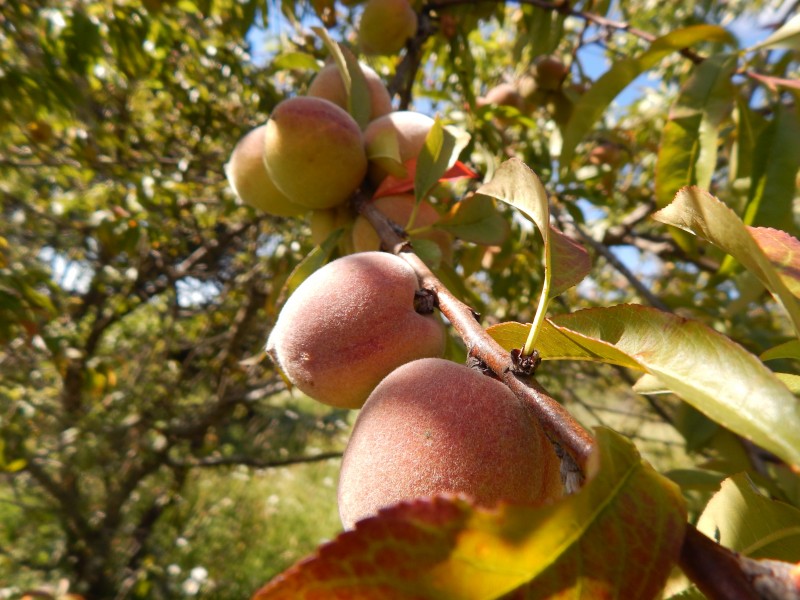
<point>688,150</point>
<point>475,219</point>
<point>791,381</point>
<point>708,370</point>
<point>314,260</point>
<point>787,36</point>
<point>783,251</point>
<point>399,185</point>
<point>571,262</point>
<point>742,519</point>
<point>444,548</point>
<point>355,83</point>
<point>440,151</point>
<point>775,165</point>
<point>595,101</point>
<point>301,61</point>
<point>517,185</point>
<point>700,213</point>
<point>790,349</point>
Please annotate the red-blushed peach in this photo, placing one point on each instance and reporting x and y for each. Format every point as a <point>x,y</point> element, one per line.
<point>398,208</point>
<point>385,25</point>
<point>328,84</point>
<point>433,426</point>
<point>349,325</point>
<point>314,152</point>
<point>408,127</point>
<point>503,94</point>
<point>250,181</point>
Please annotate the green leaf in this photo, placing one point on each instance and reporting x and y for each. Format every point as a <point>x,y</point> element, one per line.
<point>775,165</point>
<point>790,349</point>
<point>700,213</point>
<point>445,548</point>
<point>476,219</point>
<point>517,185</point>
<point>708,370</point>
<point>384,151</point>
<point>595,101</point>
<point>440,152</point>
<point>788,36</point>
<point>301,61</point>
<point>688,151</point>
<point>314,260</point>
<point>355,83</point>
<point>791,381</point>
<point>742,519</point>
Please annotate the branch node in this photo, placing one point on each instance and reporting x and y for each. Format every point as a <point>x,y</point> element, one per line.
<point>523,364</point>
<point>425,301</point>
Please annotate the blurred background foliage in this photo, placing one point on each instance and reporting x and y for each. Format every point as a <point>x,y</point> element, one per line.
<point>148,450</point>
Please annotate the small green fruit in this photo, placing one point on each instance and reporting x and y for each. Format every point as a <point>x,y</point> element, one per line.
<point>385,26</point>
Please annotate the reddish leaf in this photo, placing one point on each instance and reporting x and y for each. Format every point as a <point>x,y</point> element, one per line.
<point>618,537</point>
<point>392,185</point>
<point>783,251</point>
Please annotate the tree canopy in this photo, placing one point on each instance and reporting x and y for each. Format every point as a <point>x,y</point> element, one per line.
<point>137,291</point>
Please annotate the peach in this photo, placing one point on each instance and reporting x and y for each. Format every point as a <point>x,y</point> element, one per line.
<point>250,181</point>
<point>398,208</point>
<point>349,325</point>
<point>432,427</point>
<point>328,84</point>
<point>385,26</point>
<point>409,128</point>
<point>503,94</point>
<point>549,72</point>
<point>314,152</point>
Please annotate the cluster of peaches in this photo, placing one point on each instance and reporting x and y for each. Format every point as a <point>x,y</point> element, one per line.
<point>359,334</point>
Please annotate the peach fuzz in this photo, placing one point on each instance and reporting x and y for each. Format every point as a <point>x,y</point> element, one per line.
<point>250,181</point>
<point>349,325</point>
<point>314,152</point>
<point>328,84</point>
<point>433,426</point>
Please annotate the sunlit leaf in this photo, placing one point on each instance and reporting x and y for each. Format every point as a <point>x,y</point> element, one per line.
<point>433,159</point>
<point>595,101</point>
<point>702,214</point>
<point>476,219</point>
<point>744,520</point>
<point>688,150</point>
<point>355,83</point>
<point>790,349</point>
<point>515,184</point>
<point>788,36</point>
<point>445,548</point>
<point>791,381</point>
<point>392,184</point>
<point>296,60</point>
<point>783,251</point>
<point>708,370</point>
<point>775,164</point>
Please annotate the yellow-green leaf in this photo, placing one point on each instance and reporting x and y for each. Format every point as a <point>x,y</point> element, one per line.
<point>744,520</point>
<point>594,102</point>
<point>708,370</point>
<point>618,537</point>
<point>787,36</point>
<point>700,213</point>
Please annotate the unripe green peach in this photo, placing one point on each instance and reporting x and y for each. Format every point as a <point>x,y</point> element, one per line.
<point>349,325</point>
<point>432,427</point>
<point>399,208</point>
<point>410,129</point>
<point>314,152</point>
<point>385,26</point>
<point>250,181</point>
<point>324,222</point>
<point>328,84</point>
